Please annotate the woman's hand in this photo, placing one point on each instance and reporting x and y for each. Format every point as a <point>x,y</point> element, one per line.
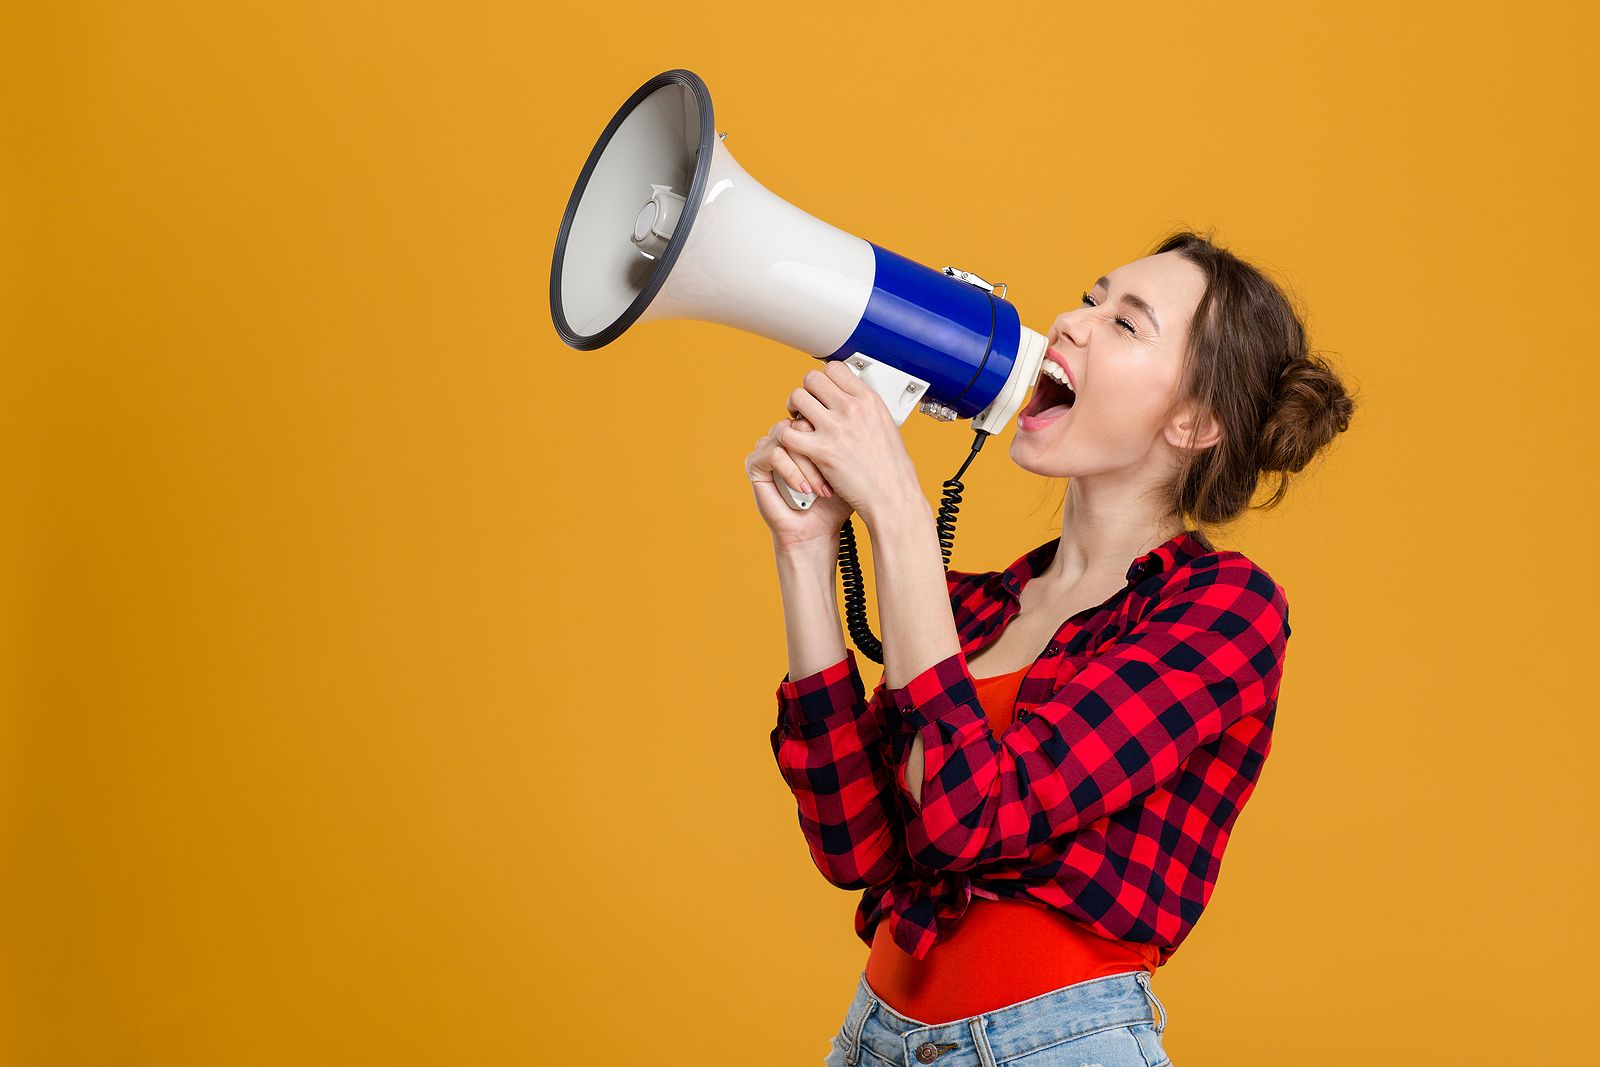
<point>817,526</point>
<point>853,441</point>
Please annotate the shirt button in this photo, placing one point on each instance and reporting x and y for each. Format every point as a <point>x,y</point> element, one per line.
<point>1053,650</point>
<point>927,1052</point>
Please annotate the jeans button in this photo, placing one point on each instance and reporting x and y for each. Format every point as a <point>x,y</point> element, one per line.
<point>927,1052</point>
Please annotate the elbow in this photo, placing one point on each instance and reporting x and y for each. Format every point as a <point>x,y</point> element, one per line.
<point>854,854</point>
<point>844,873</point>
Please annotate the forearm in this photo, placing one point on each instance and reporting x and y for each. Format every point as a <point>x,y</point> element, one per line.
<point>914,610</point>
<point>807,579</point>
<point>827,733</point>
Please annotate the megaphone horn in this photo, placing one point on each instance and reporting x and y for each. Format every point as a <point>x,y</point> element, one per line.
<point>664,223</point>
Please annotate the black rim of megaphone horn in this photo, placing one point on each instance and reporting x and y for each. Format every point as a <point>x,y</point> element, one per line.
<point>663,264</point>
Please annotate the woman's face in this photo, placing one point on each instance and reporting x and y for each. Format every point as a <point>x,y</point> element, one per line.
<point>1124,357</point>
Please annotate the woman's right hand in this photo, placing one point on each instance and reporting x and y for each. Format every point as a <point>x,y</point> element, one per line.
<point>817,525</point>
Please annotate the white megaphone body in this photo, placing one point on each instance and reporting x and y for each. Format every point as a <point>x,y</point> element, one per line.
<point>663,223</point>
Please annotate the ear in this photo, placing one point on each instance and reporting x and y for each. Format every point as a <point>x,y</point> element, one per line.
<point>1205,427</point>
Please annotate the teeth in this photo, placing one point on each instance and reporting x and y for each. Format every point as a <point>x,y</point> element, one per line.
<point>1055,372</point>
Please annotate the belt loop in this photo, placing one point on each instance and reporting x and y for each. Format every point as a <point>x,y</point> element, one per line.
<point>1143,978</point>
<point>980,1039</point>
<point>853,1055</point>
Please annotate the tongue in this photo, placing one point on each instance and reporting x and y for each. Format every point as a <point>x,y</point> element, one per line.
<point>1048,389</point>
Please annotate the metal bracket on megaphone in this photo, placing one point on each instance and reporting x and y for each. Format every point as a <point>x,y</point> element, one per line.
<point>900,392</point>
<point>977,282</point>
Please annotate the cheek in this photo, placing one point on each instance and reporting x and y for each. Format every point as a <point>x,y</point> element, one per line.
<point>1129,406</point>
<point>1130,397</point>
<point>1141,391</point>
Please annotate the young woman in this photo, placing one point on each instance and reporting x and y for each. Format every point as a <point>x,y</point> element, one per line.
<point>1036,797</point>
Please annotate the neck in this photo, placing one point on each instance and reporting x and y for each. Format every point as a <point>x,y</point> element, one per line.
<point>1103,529</point>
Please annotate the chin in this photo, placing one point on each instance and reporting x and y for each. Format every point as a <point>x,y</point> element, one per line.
<point>1045,466</point>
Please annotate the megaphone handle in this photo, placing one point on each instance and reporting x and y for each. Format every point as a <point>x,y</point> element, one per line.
<point>796,500</point>
<point>900,392</point>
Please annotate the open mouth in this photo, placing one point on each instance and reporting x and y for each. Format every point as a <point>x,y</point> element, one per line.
<point>1049,395</point>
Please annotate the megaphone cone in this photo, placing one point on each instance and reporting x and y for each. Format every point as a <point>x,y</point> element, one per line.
<point>664,223</point>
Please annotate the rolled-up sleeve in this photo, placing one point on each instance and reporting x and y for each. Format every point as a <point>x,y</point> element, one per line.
<point>827,745</point>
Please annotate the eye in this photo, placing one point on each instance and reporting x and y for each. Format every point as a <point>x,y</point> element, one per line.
<point>1124,323</point>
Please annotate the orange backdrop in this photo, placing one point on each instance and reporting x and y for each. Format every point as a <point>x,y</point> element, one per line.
<point>388,683</point>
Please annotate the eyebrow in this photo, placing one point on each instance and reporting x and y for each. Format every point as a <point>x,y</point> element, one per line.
<point>1138,302</point>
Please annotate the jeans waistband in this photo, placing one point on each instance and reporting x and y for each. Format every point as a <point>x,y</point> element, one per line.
<point>1005,1033</point>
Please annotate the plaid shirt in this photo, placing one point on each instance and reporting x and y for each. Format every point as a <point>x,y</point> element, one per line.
<point>1139,733</point>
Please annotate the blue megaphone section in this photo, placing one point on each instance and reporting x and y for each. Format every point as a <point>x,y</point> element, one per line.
<point>960,339</point>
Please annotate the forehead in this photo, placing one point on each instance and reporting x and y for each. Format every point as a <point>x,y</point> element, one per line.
<point>1170,282</point>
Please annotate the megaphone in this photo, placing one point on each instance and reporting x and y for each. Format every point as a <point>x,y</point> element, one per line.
<point>663,223</point>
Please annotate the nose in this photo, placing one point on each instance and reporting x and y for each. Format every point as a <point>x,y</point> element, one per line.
<point>1070,324</point>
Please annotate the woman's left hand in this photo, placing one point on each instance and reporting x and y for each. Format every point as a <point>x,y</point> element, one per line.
<point>855,441</point>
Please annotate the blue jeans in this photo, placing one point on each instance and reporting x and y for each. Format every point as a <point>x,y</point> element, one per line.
<point>1112,1021</point>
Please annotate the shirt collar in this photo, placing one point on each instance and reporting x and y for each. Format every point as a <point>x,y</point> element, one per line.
<point>1174,552</point>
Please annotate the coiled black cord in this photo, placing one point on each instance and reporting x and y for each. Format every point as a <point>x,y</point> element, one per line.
<point>855,595</point>
<point>855,592</point>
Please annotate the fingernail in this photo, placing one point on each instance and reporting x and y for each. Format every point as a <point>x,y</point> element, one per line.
<point>804,488</point>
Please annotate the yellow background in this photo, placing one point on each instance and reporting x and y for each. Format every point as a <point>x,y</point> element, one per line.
<point>387,683</point>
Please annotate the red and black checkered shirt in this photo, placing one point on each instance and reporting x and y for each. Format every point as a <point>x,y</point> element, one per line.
<point>1139,733</point>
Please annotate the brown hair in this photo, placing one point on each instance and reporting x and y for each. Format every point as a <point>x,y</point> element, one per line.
<point>1246,361</point>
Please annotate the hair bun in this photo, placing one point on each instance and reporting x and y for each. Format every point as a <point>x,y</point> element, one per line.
<point>1312,408</point>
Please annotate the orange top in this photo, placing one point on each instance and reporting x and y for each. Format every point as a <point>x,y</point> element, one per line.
<point>1002,951</point>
